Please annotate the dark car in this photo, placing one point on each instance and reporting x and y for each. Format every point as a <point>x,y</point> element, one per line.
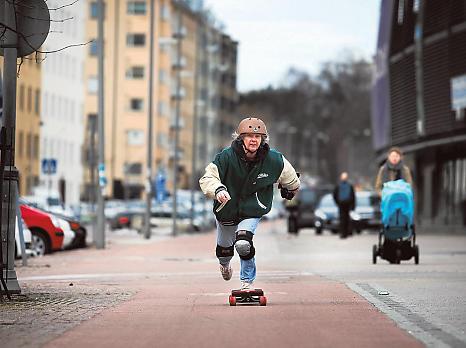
<point>365,216</point>
<point>301,207</point>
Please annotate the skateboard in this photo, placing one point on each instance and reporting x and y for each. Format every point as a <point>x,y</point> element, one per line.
<point>247,297</point>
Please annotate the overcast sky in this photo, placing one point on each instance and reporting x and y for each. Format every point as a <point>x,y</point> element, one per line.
<point>274,35</point>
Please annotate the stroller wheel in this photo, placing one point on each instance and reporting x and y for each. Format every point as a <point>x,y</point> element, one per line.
<point>416,255</point>
<point>374,254</point>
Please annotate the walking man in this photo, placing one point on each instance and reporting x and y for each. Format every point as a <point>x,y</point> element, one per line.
<point>345,200</point>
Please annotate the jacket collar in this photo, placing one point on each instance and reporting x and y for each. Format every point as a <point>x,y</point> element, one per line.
<point>262,151</point>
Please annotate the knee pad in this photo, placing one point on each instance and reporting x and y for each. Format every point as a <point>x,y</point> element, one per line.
<point>224,251</point>
<point>244,245</point>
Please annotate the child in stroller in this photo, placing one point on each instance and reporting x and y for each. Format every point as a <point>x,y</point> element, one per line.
<point>397,239</point>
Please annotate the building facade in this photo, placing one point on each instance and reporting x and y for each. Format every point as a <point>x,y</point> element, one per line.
<point>180,96</point>
<point>28,121</point>
<point>62,102</point>
<point>419,102</point>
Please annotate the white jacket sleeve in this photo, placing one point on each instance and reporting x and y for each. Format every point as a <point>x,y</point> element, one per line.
<point>210,181</point>
<point>288,178</point>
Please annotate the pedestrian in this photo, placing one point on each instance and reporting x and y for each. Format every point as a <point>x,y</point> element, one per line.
<point>393,169</point>
<point>240,180</point>
<point>345,199</point>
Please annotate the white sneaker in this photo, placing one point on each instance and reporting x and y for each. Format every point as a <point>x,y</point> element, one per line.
<point>246,285</point>
<point>227,271</point>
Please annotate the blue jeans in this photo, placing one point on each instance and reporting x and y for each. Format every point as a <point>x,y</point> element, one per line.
<point>226,236</point>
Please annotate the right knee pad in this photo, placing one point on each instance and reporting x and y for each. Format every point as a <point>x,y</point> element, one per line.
<point>224,251</point>
<point>244,245</point>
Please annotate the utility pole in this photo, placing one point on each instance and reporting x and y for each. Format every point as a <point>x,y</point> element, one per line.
<point>10,179</point>
<point>147,231</point>
<point>194,182</point>
<point>179,36</point>
<point>100,233</point>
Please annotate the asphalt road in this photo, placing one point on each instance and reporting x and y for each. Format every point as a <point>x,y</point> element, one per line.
<point>322,292</point>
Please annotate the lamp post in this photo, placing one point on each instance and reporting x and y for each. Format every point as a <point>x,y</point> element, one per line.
<point>147,231</point>
<point>100,233</point>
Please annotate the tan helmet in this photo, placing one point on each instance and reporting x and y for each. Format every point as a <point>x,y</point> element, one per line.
<point>252,125</point>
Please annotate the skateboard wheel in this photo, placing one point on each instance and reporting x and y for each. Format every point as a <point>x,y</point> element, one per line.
<point>263,300</point>
<point>232,300</point>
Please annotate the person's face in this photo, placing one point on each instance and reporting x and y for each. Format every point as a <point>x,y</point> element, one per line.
<point>394,157</point>
<point>252,141</point>
<point>344,176</point>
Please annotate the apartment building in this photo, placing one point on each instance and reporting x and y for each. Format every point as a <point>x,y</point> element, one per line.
<point>28,122</point>
<point>180,46</point>
<point>62,101</point>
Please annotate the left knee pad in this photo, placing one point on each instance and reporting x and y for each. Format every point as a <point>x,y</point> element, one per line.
<point>244,245</point>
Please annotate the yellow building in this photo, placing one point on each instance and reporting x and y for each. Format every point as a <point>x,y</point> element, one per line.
<point>126,52</point>
<point>28,123</point>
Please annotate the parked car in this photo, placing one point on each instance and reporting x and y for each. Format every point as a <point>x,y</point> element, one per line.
<point>367,214</point>
<point>80,232</point>
<point>47,235</point>
<point>326,215</point>
<point>27,241</point>
<point>301,209</point>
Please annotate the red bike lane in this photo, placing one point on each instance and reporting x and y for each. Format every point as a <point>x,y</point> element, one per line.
<point>181,301</point>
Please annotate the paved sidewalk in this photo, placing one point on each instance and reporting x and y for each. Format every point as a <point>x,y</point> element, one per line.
<point>169,293</point>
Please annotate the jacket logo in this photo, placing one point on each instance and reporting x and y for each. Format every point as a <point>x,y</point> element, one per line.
<point>262,175</point>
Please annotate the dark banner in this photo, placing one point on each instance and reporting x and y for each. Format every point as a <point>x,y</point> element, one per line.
<point>381,84</point>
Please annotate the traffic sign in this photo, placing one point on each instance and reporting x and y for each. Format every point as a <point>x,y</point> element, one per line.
<point>49,166</point>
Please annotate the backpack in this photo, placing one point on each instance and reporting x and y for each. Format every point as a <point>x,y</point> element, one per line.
<point>344,192</point>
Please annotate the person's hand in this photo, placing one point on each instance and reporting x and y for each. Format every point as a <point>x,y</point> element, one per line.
<point>287,194</point>
<point>223,196</point>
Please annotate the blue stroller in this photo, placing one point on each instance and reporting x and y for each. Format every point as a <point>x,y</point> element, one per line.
<point>397,239</point>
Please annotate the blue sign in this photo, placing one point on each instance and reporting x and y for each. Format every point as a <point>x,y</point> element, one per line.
<point>49,166</point>
<point>102,178</point>
<point>160,187</point>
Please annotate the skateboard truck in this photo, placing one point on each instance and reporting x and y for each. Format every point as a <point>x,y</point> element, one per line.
<point>247,297</point>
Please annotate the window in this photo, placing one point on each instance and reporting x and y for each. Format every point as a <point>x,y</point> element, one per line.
<point>29,99</point>
<point>162,108</point>
<point>416,6</point>
<point>94,8</point>
<point>162,76</point>
<point>137,7</point>
<point>94,48</point>
<point>36,146</point>
<point>135,137</point>
<point>20,144</point>
<point>164,12</point>
<point>37,102</point>
<point>135,40</point>
<point>133,168</point>
<point>135,72</point>
<point>401,11</point>
<point>28,145</point>
<point>136,104</point>
<point>21,97</point>
<point>92,85</point>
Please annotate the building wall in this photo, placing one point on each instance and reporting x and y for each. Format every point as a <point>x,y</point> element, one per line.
<point>62,101</point>
<point>423,121</point>
<point>28,121</point>
<point>126,130</point>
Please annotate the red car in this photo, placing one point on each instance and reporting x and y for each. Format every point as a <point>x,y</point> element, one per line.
<point>47,236</point>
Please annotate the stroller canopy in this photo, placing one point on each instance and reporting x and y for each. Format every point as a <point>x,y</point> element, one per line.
<point>397,195</point>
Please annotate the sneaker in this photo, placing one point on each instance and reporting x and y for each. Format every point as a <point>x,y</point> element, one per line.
<point>246,285</point>
<point>226,271</point>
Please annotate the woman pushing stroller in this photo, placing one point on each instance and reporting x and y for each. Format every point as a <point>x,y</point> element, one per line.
<point>393,169</point>
<point>397,239</point>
